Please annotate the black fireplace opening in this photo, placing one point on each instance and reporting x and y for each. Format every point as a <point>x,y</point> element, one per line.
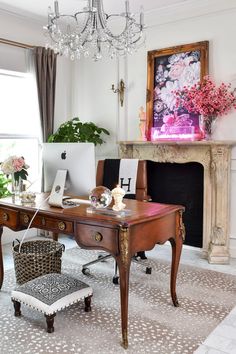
<point>180,183</point>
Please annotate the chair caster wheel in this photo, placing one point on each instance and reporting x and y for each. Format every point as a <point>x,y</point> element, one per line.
<point>149,270</point>
<point>136,258</point>
<point>141,255</point>
<point>115,280</point>
<point>85,271</point>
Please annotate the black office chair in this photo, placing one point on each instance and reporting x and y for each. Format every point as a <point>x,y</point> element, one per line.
<point>107,176</point>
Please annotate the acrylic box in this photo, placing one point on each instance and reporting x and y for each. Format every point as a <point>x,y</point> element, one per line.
<point>175,133</point>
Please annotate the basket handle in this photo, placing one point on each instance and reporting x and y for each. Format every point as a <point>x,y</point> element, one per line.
<point>63,247</point>
<point>13,242</point>
<point>26,231</point>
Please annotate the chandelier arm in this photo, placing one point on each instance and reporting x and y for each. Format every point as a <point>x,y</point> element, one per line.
<point>91,33</point>
<point>131,43</point>
<point>85,12</point>
<point>138,39</point>
<point>122,49</point>
<point>89,19</point>
<point>109,33</point>
<point>55,18</point>
<point>128,19</point>
<point>101,14</point>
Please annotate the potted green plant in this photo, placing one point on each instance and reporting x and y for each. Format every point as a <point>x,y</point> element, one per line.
<point>4,181</point>
<point>74,131</point>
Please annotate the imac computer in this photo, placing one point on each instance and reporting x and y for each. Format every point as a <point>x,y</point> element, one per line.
<point>78,159</point>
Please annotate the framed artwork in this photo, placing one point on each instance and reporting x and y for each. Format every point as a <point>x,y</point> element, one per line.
<point>168,70</point>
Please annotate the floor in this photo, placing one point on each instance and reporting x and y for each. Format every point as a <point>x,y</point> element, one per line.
<point>223,339</point>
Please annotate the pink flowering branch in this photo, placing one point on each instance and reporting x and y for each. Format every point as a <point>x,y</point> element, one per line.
<point>206,98</point>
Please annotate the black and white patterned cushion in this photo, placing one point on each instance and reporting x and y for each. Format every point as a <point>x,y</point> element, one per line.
<point>51,292</point>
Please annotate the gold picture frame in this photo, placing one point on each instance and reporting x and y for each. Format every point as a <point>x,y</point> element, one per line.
<point>164,68</point>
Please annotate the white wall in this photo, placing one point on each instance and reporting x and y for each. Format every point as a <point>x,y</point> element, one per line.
<point>94,101</point>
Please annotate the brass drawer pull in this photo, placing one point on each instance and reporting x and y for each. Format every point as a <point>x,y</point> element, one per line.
<point>26,218</point>
<point>98,237</point>
<point>43,221</point>
<point>61,226</point>
<point>5,216</point>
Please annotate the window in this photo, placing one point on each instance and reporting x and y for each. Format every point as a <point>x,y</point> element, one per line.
<point>20,132</point>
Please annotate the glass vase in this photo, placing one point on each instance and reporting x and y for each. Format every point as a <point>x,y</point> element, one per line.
<point>207,124</point>
<point>16,186</point>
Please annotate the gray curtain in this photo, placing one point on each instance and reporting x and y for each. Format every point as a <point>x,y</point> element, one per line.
<point>45,66</point>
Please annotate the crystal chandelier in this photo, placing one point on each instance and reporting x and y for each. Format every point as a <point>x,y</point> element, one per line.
<point>88,32</point>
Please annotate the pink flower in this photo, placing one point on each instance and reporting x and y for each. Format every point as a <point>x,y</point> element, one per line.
<point>15,165</point>
<point>18,163</point>
<point>177,69</point>
<point>206,98</point>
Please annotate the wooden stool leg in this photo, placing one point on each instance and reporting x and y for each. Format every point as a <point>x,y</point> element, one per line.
<point>87,303</point>
<point>50,322</point>
<point>17,308</point>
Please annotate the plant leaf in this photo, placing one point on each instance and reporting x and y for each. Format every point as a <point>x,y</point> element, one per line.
<point>75,131</point>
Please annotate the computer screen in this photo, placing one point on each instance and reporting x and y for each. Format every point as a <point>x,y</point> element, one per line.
<point>79,161</point>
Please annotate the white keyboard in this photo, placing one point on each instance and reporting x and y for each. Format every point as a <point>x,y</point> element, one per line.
<point>74,201</point>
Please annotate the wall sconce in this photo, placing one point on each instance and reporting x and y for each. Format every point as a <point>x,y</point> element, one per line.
<point>120,90</point>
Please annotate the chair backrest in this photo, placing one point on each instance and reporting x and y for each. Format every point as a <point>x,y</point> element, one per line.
<point>141,183</point>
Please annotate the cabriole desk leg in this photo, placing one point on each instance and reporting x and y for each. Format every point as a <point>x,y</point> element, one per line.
<point>1,260</point>
<point>176,244</point>
<point>123,261</point>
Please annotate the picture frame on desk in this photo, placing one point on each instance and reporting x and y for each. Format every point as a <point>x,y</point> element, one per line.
<point>171,69</point>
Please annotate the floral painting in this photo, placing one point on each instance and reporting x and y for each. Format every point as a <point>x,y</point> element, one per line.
<point>171,70</point>
<point>173,73</point>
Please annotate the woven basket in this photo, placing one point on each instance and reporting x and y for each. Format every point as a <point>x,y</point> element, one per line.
<point>36,258</point>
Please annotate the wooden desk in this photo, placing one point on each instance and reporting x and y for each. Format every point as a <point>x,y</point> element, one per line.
<point>149,223</point>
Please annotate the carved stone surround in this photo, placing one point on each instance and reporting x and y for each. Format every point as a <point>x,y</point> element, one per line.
<point>215,156</point>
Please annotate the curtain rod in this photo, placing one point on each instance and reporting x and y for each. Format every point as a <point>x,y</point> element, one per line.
<point>16,44</point>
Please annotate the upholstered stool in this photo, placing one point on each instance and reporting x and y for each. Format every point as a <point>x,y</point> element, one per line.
<point>51,293</point>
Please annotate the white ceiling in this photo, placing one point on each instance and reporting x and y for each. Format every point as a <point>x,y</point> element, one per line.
<point>38,8</point>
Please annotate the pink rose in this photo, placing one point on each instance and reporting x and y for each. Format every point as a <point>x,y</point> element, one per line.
<point>18,163</point>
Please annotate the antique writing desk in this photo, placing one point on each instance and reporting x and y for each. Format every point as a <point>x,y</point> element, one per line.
<point>148,224</point>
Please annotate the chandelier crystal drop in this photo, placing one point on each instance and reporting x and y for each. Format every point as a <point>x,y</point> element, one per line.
<point>88,32</point>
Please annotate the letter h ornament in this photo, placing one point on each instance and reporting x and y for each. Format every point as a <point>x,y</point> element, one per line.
<point>122,184</point>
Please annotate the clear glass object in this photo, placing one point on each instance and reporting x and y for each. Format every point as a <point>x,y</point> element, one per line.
<point>100,197</point>
<point>27,197</point>
<point>16,185</point>
<point>207,126</point>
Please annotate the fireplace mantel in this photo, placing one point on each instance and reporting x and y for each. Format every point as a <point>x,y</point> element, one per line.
<point>215,156</point>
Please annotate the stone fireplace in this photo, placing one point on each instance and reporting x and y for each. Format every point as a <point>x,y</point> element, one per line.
<point>215,156</point>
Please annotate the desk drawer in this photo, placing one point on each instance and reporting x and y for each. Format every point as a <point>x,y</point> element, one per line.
<point>47,223</point>
<point>9,217</point>
<point>98,237</point>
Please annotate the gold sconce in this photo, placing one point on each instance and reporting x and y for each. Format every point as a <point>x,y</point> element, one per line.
<point>120,90</point>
